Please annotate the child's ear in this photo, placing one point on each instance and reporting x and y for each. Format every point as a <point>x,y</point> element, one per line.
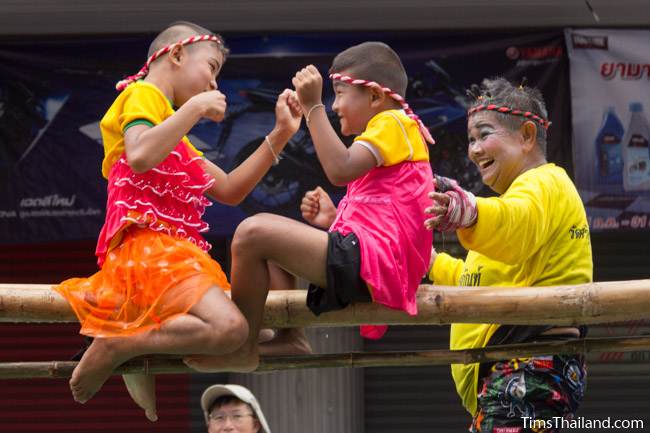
<point>176,54</point>
<point>377,96</point>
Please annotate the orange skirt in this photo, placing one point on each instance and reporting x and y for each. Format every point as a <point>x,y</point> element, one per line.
<point>150,277</point>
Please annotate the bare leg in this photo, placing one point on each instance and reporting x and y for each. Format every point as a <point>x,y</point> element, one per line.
<point>279,279</point>
<point>200,331</point>
<point>142,389</point>
<point>291,341</point>
<point>296,247</point>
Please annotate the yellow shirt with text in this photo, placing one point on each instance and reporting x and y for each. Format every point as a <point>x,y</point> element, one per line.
<point>535,234</point>
<point>139,103</point>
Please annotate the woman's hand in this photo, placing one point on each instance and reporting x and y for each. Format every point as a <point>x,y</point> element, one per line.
<point>438,209</point>
<point>452,207</point>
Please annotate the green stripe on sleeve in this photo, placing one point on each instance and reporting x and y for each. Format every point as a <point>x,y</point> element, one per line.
<point>138,122</point>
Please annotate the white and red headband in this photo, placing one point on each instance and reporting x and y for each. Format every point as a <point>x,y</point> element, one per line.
<point>121,85</point>
<point>396,96</point>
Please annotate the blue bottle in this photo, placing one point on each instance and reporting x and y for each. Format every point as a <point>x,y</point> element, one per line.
<point>636,151</point>
<point>609,160</point>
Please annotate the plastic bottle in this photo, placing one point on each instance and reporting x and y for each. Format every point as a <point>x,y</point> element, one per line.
<point>609,161</point>
<point>636,156</point>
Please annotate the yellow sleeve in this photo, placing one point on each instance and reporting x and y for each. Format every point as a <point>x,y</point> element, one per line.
<point>513,227</point>
<point>385,135</point>
<point>144,103</point>
<point>446,270</point>
<point>147,105</point>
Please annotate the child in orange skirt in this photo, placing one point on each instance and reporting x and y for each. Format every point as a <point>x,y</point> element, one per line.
<point>158,291</point>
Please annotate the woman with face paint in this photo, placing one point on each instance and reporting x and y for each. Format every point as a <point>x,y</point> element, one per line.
<point>535,233</point>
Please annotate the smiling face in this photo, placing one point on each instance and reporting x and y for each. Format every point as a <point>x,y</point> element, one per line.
<point>499,153</point>
<point>199,66</point>
<point>353,105</point>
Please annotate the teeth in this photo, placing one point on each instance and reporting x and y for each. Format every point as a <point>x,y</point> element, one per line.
<point>484,164</point>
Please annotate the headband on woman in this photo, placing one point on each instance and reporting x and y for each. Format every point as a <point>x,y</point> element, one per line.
<point>145,69</point>
<point>396,96</point>
<point>513,112</point>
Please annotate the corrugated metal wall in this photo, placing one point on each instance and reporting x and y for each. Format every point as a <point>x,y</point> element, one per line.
<point>618,383</point>
<point>418,400</point>
<point>46,405</point>
<point>415,399</point>
<point>314,401</point>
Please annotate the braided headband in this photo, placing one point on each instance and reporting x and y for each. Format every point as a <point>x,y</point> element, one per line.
<point>507,110</point>
<point>396,96</point>
<point>145,69</point>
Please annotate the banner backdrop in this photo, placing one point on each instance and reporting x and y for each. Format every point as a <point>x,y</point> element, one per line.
<point>610,89</point>
<point>53,94</point>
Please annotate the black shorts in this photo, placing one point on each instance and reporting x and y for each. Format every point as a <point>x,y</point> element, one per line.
<point>344,285</point>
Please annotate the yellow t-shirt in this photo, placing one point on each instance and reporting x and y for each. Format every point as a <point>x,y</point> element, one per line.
<point>140,103</point>
<point>535,234</point>
<point>393,137</point>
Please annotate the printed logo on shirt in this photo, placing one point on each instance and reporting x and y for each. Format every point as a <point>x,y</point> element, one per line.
<point>579,233</point>
<point>471,278</point>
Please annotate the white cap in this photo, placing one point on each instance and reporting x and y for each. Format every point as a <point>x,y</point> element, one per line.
<point>216,391</point>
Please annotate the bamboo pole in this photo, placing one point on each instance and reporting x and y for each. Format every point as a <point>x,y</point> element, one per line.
<point>558,305</point>
<point>169,365</point>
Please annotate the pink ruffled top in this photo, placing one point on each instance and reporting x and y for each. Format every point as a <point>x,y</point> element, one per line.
<point>168,198</point>
<point>385,210</point>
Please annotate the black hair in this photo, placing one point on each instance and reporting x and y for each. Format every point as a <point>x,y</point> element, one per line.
<point>227,399</point>
<point>372,61</point>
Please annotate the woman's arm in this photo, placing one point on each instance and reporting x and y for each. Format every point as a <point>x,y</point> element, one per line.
<point>445,270</point>
<point>513,227</point>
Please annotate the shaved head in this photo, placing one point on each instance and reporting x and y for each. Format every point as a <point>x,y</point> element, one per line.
<point>180,30</point>
<point>373,61</point>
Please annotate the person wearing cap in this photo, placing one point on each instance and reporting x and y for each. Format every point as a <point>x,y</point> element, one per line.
<point>234,409</point>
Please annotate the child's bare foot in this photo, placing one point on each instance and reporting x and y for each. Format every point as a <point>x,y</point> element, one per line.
<point>142,389</point>
<point>240,361</point>
<point>94,369</point>
<point>266,335</point>
<point>291,341</point>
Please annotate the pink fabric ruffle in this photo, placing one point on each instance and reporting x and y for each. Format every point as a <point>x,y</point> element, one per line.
<point>168,198</point>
